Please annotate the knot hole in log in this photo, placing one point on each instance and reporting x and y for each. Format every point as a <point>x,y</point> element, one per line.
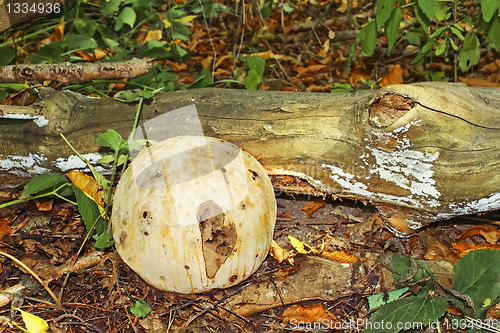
<point>388,108</point>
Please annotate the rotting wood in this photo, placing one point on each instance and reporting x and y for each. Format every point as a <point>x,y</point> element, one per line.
<point>419,153</point>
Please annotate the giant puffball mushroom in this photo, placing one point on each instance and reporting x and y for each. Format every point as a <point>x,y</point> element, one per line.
<point>193,213</point>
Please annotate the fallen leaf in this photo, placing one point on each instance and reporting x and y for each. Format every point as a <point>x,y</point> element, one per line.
<point>440,252</point>
<point>297,314</point>
<point>280,254</point>
<point>87,184</point>
<point>395,76</point>
<point>44,205</point>
<point>489,233</point>
<point>34,324</point>
<point>339,256</point>
<point>464,248</point>
<point>299,246</point>
<point>479,82</point>
<point>313,206</point>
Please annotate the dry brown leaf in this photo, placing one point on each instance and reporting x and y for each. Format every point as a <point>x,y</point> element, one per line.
<point>493,313</point>
<point>44,205</point>
<point>280,254</point>
<point>87,184</point>
<point>395,76</point>
<point>343,6</point>
<point>440,252</point>
<point>479,82</point>
<point>339,256</point>
<point>464,248</point>
<point>490,234</point>
<point>313,69</point>
<point>313,206</point>
<point>297,314</point>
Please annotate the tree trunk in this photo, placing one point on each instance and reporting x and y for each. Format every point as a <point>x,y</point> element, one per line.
<point>419,152</point>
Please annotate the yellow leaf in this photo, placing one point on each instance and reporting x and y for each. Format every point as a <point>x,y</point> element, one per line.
<point>167,23</point>
<point>187,18</point>
<point>299,246</point>
<point>34,324</point>
<point>87,184</point>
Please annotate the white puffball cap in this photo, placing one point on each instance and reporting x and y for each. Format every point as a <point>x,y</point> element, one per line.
<point>193,213</point>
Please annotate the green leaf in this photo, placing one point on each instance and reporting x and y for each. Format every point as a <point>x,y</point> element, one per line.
<point>127,96</point>
<point>252,80</point>
<point>494,32</point>
<point>425,22</point>
<point>441,47</point>
<point>453,45</point>
<point>413,38</point>
<point>470,53</point>
<point>392,27</point>
<point>377,300</point>
<point>489,8</point>
<point>457,32</point>
<point>8,54</point>
<point>83,24</point>
<point>76,41</point>
<point>442,11</point>
<point>428,7</point>
<point>14,86</point>
<point>383,11</point>
<point>50,53</point>
<point>438,32</point>
<point>103,241</point>
<point>257,64</point>
<point>110,139</point>
<point>3,95</point>
<point>202,80</point>
<point>477,275</point>
<point>109,6</point>
<point>43,182</point>
<point>342,88</point>
<point>127,16</point>
<point>368,38</point>
<point>87,207</point>
<point>405,313</point>
<point>140,308</point>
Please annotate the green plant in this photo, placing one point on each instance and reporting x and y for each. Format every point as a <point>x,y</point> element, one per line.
<point>438,29</point>
<point>475,289</point>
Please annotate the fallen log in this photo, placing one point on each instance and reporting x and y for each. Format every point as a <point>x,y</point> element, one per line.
<point>419,153</point>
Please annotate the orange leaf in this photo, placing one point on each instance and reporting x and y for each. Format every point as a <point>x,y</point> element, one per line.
<point>4,227</point>
<point>490,233</point>
<point>340,256</point>
<point>395,76</point>
<point>313,206</point>
<point>44,205</point>
<point>57,35</point>
<point>87,184</point>
<point>464,248</point>
<point>479,82</point>
<point>297,314</point>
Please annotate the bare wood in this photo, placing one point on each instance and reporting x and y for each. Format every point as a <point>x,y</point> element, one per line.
<point>419,152</point>
<point>69,72</point>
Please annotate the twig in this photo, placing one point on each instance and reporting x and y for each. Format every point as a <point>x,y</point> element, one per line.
<point>20,263</point>
<point>327,9</point>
